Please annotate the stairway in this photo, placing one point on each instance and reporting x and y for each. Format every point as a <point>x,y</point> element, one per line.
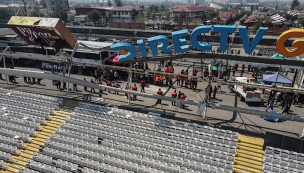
<point>249,154</point>
<point>25,155</point>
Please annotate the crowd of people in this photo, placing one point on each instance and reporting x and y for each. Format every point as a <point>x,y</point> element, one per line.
<point>285,99</point>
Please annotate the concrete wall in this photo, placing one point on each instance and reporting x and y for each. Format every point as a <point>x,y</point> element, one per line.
<point>127,25</point>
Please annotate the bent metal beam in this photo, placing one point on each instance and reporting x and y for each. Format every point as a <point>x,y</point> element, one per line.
<point>50,76</point>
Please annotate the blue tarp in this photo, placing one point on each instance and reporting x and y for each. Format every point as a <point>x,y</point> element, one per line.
<point>272,119</point>
<point>276,77</point>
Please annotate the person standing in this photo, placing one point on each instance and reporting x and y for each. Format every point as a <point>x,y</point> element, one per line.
<point>192,84</point>
<point>160,93</point>
<point>75,87</point>
<point>92,89</point>
<point>116,85</point>
<point>178,78</point>
<point>210,91</point>
<point>195,83</point>
<point>214,91</point>
<point>233,70</point>
<point>182,80</point>
<point>183,96</point>
<point>242,72</point>
<point>286,108</point>
<point>134,88</point>
<point>53,69</point>
<point>115,75</point>
<point>174,94</point>
<point>64,85</point>
<point>270,104</point>
<point>170,82</point>
<point>58,83</point>
<point>84,87</point>
<point>171,69</point>
<point>38,81</point>
<point>219,84</point>
<point>146,76</point>
<point>142,84</point>
<point>109,84</point>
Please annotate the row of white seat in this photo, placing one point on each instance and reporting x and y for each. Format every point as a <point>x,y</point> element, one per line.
<point>54,105</point>
<point>15,134</point>
<point>5,156</point>
<point>20,122</point>
<point>57,163</point>
<point>26,105</point>
<point>151,120</point>
<point>121,129</point>
<point>41,167</point>
<point>75,147</point>
<point>93,107</point>
<point>31,95</point>
<point>11,141</point>
<point>284,154</point>
<point>24,112</point>
<point>145,140</point>
<point>9,149</point>
<point>17,128</point>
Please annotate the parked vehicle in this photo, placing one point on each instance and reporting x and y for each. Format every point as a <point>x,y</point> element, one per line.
<point>88,24</point>
<point>245,94</point>
<point>167,26</point>
<point>148,24</point>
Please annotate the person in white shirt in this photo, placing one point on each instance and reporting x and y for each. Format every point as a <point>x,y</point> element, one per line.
<point>116,75</point>
<point>219,84</point>
<point>146,76</point>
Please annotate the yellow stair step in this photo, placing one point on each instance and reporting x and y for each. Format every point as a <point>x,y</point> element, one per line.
<point>251,140</point>
<point>242,169</point>
<point>245,144</point>
<point>246,156</point>
<point>253,162</point>
<point>248,153</point>
<point>246,164</point>
<point>20,163</point>
<point>250,149</point>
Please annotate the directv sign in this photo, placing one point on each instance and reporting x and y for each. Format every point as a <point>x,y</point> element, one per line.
<point>180,43</point>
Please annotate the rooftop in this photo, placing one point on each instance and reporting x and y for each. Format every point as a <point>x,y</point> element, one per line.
<point>251,19</point>
<point>185,8</point>
<point>125,8</point>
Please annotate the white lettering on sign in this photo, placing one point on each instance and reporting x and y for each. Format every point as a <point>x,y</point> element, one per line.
<point>32,34</point>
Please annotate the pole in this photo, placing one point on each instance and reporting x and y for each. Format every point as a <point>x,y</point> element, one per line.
<point>4,64</point>
<point>69,63</point>
<point>277,77</point>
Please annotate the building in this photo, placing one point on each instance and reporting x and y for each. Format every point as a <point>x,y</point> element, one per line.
<point>63,3</point>
<point>226,16</point>
<point>123,13</point>
<point>191,12</point>
<point>251,19</point>
<point>245,3</point>
<point>194,2</point>
<point>260,15</point>
<point>85,10</point>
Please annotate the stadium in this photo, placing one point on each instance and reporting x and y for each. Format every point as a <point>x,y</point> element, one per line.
<point>115,128</point>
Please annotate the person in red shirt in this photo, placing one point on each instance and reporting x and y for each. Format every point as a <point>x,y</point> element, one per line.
<point>243,66</point>
<point>116,85</point>
<point>182,80</point>
<point>134,88</point>
<point>221,75</point>
<point>160,93</point>
<point>252,75</point>
<point>171,69</point>
<point>212,72</point>
<point>178,78</point>
<point>186,82</point>
<point>170,82</point>
<point>205,73</point>
<point>85,88</point>
<point>183,96</point>
<point>182,72</point>
<point>233,70</point>
<point>174,94</point>
<point>109,84</point>
<point>142,84</point>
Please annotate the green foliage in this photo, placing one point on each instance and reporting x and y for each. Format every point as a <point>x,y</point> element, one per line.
<point>182,14</point>
<point>134,12</point>
<point>294,4</point>
<point>72,18</point>
<point>4,13</point>
<point>266,20</point>
<point>109,3</point>
<point>218,20</point>
<point>118,3</point>
<point>196,21</point>
<point>238,16</point>
<point>94,16</point>
<point>301,21</point>
<point>109,16</point>
<point>202,16</point>
<point>284,26</point>
<point>142,6</point>
<point>175,18</point>
<point>148,13</point>
<point>258,24</point>
<point>153,7</point>
<point>34,13</point>
<point>153,15</point>
<point>60,13</point>
<point>180,21</point>
<point>242,21</point>
<point>167,15</point>
<point>264,10</point>
<point>141,18</point>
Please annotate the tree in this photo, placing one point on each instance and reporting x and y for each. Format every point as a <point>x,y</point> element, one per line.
<point>134,13</point>
<point>218,20</point>
<point>148,13</point>
<point>142,6</point>
<point>266,20</point>
<point>238,16</point>
<point>153,15</point>
<point>175,18</point>
<point>109,16</point>
<point>60,13</point>
<point>153,7</point>
<point>118,3</point>
<point>294,4</point>
<point>258,24</point>
<point>284,26</point>
<point>43,3</point>
<point>182,14</point>
<point>94,16</point>
<point>196,21</point>
<point>251,8</point>
<point>72,18</point>
<point>301,21</point>
<point>242,21</point>
<point>140,18</point>
<point>264,9</point>
<point>4,13</point>
<point>202,16</point>
<point>167,15</point>
<point>109,3</point>
<point>180,21</point>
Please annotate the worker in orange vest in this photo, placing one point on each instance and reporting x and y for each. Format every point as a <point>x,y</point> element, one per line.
<point>116,85</point>
<point>178,78</point>
<point>160,93</point>
<point>142,84</point>
<point>134,88</point>
<point>174,94</point>
<point>167,69</point>
<point>157,79</point>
